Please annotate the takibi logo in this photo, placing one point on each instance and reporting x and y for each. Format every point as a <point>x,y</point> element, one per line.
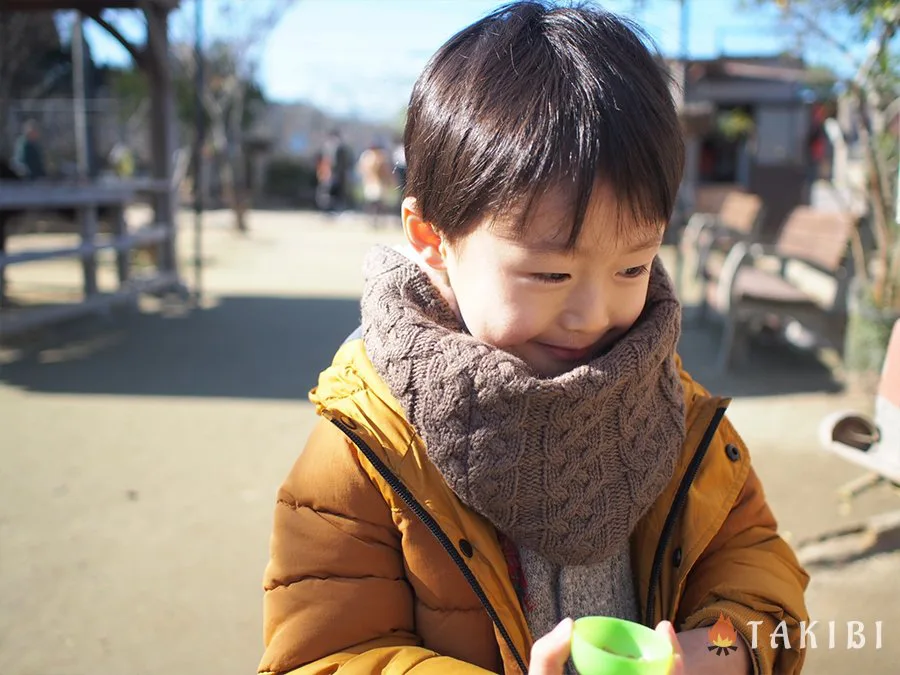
<point>856,635</point>
<point>722,637</point>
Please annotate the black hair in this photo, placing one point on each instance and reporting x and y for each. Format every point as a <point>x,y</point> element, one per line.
<point>537,96</point>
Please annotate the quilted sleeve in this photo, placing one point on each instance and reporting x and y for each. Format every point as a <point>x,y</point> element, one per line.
<point>750,574</point>
<point>336,597</point>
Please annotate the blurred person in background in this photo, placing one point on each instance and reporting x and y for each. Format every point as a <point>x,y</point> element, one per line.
<point>323,182</point>
<point>28,156</point>
<point>374,168</point>
<point>121,159</point>
<point>333,174</point>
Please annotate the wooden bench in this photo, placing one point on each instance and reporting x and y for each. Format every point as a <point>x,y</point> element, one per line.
<point>873,444</point>
<point>737,219</point>
<point>87,200</point>
<point>757,285</point>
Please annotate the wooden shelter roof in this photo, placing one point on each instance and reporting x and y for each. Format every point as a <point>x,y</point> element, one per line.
<point>87,6</point>
<point>93,9</point>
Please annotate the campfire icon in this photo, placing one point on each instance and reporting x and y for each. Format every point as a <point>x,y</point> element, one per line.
<point>722,637</point>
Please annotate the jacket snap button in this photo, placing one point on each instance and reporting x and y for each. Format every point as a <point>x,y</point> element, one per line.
<point>676,557</point>
<point>733,453</point>
<point>466,548</point>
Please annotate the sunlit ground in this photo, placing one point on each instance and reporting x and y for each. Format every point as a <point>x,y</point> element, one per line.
<point>141,453</point>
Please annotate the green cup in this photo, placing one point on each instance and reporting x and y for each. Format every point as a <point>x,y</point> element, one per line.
<point>603,645</point>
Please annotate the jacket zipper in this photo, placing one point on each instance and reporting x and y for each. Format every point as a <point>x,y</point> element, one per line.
<point>677,506</point>
<point>435,529</point>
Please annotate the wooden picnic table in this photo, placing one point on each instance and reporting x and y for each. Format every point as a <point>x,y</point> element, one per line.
<point>84,200</point>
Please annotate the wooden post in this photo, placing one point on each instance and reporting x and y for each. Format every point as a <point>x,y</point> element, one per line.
<point>79,103</point>
<point>3,219</point>
<point>199,131</point>
<point>162,112</point>
<point>87,215</point>
<point>120,231</point>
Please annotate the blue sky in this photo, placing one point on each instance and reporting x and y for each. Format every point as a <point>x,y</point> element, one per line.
<point>361,57</point>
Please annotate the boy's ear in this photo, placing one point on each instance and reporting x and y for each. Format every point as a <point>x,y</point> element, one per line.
<point>421,235</point>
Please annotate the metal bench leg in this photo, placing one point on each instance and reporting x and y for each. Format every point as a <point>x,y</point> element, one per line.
<point>703,303</point>
<point>729,337</point>
<point>2,255</point>
<point>679,272</point>
<point>859,485</point>
<point>703,250</point>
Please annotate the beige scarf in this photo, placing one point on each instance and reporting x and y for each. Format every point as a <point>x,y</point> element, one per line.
<point>564,466</point>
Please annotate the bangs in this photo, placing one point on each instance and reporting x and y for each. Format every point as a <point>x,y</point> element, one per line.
<point>542,99</point>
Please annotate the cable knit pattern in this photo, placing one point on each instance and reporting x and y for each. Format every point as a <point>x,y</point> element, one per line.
<point>565,466</point>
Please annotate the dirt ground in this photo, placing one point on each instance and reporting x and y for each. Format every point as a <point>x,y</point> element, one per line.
<point>141,453</point>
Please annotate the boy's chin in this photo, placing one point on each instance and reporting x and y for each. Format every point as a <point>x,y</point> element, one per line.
<point>544,364</point>
<point>554,370</point>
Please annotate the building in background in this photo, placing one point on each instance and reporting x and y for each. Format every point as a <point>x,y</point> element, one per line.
<point>751,123</point>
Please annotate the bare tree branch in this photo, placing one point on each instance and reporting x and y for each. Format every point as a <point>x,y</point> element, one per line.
<point>811,24</point>
<point>136,53</point>
<point>869,101</point>
<point>241,31</point>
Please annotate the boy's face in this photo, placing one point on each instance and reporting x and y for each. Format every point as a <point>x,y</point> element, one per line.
<point>554,309</point>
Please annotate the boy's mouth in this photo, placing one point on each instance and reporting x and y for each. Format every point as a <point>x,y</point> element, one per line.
<point>568,353</point>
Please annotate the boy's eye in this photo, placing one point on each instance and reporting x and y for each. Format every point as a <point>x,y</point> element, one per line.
<point>634,272</point>
<point>551,278</point>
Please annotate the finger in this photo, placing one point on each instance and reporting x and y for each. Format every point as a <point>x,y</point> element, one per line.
<point>550,653</point>
<point>667,629</point>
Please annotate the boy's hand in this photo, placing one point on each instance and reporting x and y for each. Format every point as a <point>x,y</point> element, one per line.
<point>550,653</point>
<point>667,629</point>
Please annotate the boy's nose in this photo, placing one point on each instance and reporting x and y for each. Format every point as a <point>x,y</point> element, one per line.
<point>587,312</point>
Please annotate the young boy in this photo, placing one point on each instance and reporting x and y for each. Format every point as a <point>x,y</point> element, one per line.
<point>512,440</point>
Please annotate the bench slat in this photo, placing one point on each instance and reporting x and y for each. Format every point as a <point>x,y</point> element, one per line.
<point>759,284</point>
<point>740,212</point>
<point>142,237</point>
<point>818,236</point>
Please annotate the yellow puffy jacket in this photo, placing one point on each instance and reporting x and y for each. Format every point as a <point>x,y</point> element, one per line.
<point>377,566</point>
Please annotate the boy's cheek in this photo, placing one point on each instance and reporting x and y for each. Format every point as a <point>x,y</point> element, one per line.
<point>506,330</point>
